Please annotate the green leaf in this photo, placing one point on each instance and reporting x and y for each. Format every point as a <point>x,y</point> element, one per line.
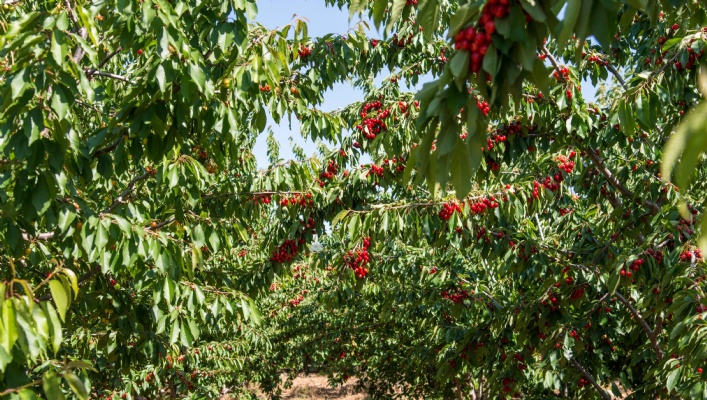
<point>52,386</point>
<point>428,17</point>
<point>198,76</point>
<point>76,385</point>
<point>673,377</point>
<point>61,298</point>
<point>60,102</point>
<point>569,22</point>
<point>396,11</point>
<point>20,82</point>
<point>54,325</point>
<point>459,64</point>
<point>160,76</point>
<point>637,4</point>
<point>174,337</point>
<point>58,46</point>
<point>41,196</point>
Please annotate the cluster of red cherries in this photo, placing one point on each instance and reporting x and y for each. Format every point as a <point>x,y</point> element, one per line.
<point>449,209</point>
<point>331,170</point>
<point>481,205</point>
<point>262,198</point>
<point>455,295</point>
<point>357,260</point>
<point>577,293</point>
<point>582,383</point>
<point>634,267</point>
<point>295,302</point>
<point>375,170</point>
<point>402,42</point>
<point>656,254</point>
<point>688,254</point>
<point>565,163</point>
<point>483,106</point>
<point>565,73</point>
<point>398,163</point>
<point>304,51</point>
<point>297,200</point>
<point>287,251</point>
<point>596,59</point>
<point>411,2</point>
<point>264,88</point>
<point>371,127</point>
<point>476,39</point>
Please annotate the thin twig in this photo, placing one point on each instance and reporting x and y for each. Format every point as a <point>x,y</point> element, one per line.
<point>160,225</point>
<point>107,149</point>
<point>19,388</point>
<point>651,335</point>
<point>125,192</point>
<point>114,76</point>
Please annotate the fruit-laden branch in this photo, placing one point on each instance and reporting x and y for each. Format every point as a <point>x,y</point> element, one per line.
<point>651,335</point>
<point>161,224</point>
<point>652,206</point>
<point>560,75</point>
<point>591,379</point>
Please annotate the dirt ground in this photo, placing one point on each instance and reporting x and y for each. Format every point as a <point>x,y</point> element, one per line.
<point>311,387</point>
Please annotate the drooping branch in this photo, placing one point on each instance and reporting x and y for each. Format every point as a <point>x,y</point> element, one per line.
<point>652,206</point>
<point>644,325</point>
<point>591,379</point>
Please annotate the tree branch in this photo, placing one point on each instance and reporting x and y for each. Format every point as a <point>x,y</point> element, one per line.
<point>114,76</point>
<point>554,63</point>
<point>41,236</point>
<point>653,207</point>
<point>107,149</point>
<point>125,192</point>
<point>643,323</point>
<point>618,76</point>
<point>104,61</point>
<point>78,53</point>
<point>591,379</point>
<point>161,224</point>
